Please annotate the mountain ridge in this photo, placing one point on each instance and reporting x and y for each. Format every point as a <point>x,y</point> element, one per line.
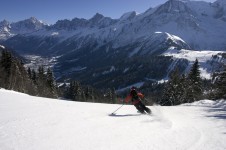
<point>186,19</point>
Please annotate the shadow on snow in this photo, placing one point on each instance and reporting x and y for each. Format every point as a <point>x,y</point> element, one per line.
<point>126,115</point>
<point>218,113</point>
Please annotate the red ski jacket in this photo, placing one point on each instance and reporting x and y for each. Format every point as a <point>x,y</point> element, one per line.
<point>129,98</point>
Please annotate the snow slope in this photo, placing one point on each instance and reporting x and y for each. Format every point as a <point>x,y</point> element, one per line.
<point>204,57</point>
<point>32,123</point>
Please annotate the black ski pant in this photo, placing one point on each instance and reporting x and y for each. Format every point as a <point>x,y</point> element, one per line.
<point>142,108</point>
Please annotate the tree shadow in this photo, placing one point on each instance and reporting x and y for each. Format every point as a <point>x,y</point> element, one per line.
<point>218,116</point>
<point>217,109</point>
<point>126,115</point>
<point>216,104</point>
<point>217,112</point>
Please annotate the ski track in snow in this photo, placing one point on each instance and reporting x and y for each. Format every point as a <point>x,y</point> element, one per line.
<point>33,123</point>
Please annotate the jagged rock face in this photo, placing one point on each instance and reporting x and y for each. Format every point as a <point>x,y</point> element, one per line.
<point>199,24</point>
<point>28,25</point>
<point>173,7</point>
<point>175,11</point>
<point>98,21</point>
<point>220,6</point>
<point>4,30</point>
<point>8,30</point>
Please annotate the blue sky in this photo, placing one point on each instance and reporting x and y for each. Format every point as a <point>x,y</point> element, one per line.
<point>50,11</point>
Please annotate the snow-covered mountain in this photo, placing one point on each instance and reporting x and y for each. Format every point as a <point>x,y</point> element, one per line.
<point>8,30</point>
<point>4,30</point>
<point>97,44</point>
<point>200,24</point>
<point>209,61</point>
<point>28,122</point>
<point>220,6</point>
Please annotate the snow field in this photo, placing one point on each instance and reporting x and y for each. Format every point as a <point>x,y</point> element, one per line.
<point>203,57</point>
<point>34,123</point>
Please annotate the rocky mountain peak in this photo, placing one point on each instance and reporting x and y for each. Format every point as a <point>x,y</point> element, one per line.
<point>98,20</point>
<point>128,15</point>
<point>62,24</point>
<point>4,23</point>
<point>33,20</point>
<point>220,6</point>
<point>174,6</point>
<point>221,2</point>
<point>31,24</point>
<point>97,17</point>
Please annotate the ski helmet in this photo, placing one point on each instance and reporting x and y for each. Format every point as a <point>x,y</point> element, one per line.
<point>133,88</point>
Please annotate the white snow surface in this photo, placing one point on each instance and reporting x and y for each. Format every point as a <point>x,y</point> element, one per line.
<point>109,71</point>
<point>203,56</point>
<point>2,46</point>
<point>191,55</point>
<point>34,123</point>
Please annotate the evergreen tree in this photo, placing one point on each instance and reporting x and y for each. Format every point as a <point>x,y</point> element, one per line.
<point>6,61</point>
<point>34,76</point>
<point>78,92</point>
<point>75,91</point>
<point>173,91</point>
<point>50,82</point>
<point>183,88</point>
<point>6,68</point>
<point>71,94</point>
<point>45,83</point>
<point>92,96</point>
<point>13,74</point>
<point>83,96</point>
<point>114,96</point>
<point>109,96</point>
<point>220,85</point>
<point>89,94</point>
<point>194,86</point>
<point>41,72</point>
<point>41,84</point>
<point>29,72</point>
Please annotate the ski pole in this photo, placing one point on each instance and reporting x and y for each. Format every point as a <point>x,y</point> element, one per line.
<point>145,100</point>
<point>117,109</point>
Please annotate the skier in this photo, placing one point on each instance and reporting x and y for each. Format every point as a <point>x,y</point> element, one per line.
<point>136,97</point>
